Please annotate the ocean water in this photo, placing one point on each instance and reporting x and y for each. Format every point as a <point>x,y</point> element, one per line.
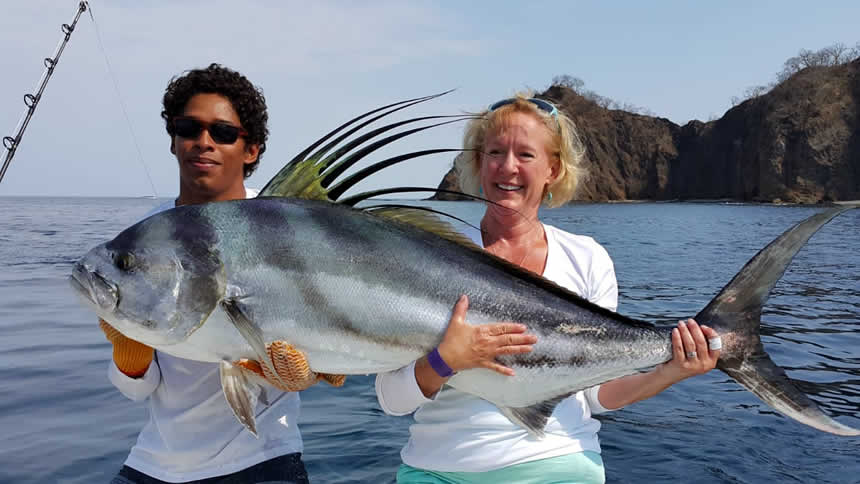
<point>61,420</point>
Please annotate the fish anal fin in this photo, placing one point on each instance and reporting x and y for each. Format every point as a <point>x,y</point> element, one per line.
<point>424,220</point>
<point>250,332</point>
<point>240,395</point>
<point>533,418</point>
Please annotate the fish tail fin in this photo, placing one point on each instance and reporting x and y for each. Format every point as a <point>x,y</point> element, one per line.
<point>735,313</point>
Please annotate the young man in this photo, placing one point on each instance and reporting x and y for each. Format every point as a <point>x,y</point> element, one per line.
<point>216,120</point>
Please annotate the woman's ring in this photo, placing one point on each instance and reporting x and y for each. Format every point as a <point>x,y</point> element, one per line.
<point>715,343</point>
<point>692,354</point>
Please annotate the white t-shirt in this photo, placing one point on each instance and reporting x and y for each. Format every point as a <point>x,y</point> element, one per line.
<point>458,432</point>
<point>192,433</point>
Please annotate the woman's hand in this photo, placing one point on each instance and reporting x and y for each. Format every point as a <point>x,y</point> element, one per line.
<point>465,346</point>
<point>691,357</point>
<point>691,353</point>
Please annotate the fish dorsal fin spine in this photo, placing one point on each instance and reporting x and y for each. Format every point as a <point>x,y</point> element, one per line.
<point>311,174</point>
<point>424,219</point>
<point>314,174</point>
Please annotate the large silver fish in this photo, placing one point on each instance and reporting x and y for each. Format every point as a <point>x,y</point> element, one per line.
<point>370,290</point>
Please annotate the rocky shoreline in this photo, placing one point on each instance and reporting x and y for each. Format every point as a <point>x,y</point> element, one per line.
<point>797,144</point>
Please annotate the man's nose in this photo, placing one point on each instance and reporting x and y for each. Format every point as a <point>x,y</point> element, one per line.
<point>204,139</point>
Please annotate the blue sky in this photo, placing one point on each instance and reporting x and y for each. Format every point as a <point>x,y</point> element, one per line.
<point>319,63</point>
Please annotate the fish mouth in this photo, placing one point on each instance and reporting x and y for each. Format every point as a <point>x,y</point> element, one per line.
<point>94,288</point>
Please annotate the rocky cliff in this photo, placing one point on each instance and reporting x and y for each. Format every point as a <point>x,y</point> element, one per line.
<point>798,143</point>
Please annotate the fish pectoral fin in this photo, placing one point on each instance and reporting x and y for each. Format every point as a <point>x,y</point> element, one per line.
<point>240,393</point>
<point>533,418</point>
<point>250,332</point>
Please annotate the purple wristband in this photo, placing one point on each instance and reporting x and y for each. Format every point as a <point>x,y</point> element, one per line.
<point>439,366</point>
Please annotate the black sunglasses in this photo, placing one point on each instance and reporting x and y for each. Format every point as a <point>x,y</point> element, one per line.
<point>544,106</point>
<point>221,132</point>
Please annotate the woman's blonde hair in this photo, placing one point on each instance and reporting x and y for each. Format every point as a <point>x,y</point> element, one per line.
<point>567,148</point>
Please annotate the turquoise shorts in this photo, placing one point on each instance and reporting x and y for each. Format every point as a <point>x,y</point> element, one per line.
<point>581,468</point>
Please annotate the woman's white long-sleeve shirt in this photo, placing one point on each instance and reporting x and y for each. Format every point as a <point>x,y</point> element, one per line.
<point>192,433</point>
<point>458,432</point>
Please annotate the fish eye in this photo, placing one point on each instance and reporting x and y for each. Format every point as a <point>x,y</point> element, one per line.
<point>124,261</point>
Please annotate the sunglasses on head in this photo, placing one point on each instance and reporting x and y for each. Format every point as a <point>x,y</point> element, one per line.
<point>544,106</point>
<point>221,132</point>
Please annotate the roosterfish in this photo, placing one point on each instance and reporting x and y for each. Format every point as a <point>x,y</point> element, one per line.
<point>364,288</point>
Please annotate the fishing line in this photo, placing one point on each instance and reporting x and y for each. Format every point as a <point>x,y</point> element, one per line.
<point>122,105</point>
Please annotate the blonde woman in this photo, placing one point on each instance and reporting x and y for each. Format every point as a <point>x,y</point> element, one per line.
<point>521,153</point>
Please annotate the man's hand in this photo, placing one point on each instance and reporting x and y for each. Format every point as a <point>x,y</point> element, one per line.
<point>132,358</point>
<point>291,366</point>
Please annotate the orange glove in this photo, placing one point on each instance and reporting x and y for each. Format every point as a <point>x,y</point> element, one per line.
<point>291,366</point>
<point>132,358</point>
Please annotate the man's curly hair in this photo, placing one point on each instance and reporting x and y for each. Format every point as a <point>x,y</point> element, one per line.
<point>247,100</point>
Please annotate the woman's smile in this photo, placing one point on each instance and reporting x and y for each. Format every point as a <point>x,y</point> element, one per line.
<point>517,165</point>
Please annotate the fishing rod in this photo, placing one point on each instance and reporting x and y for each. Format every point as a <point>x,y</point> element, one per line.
<point>11,143</point>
